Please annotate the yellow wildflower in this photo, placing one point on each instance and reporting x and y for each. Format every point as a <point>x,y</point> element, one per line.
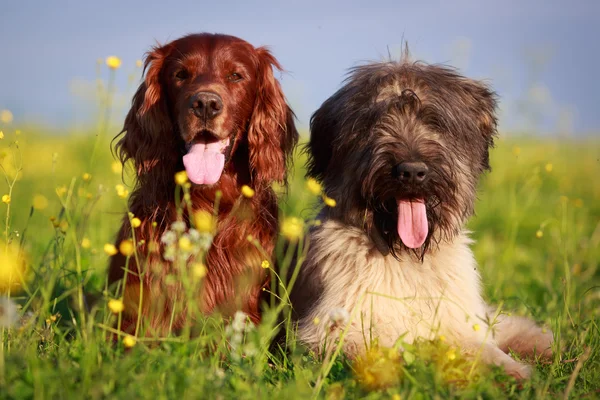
<point>204,221</point>
<point>17,132</point>
<point>316,321</point>
<point>247,191</point>
<point>138,63</point>
<point>6,199</point>
<point>539,234</point>
<point>199,270</point>
<point>313,186</point>
<point>1,135</point>
<point>64,225</point>
<point>12,270</point>
<point>516,150</point>
<point>548,167</point>
<point>185,243</point>
<point>116,167</point>
<point>292,228</point>
<point>329,201</point>
<point>61,190</point>
<point>113,62</point>
<point>278,188</point>
<point>126,247</point>
<point>181,177</point>
<point>129,341</point>
<point>86,243</point>
<point>6,116</point>
<point>451,354</point>
<point>136,222</point>
<point>40,202</point>
<point>578,203</point>
<point>265,264</point>
<point>110,249</point>
<point>476,327</point>
<point>376,370</point>
<point>116,306</point>
<point>86,177</point>
<point>121,191</point>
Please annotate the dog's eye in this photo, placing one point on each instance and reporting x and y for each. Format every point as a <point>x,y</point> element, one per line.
<point>182,74</point>
<point>235,77</point>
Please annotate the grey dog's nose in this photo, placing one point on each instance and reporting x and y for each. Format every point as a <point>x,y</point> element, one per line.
<point>411,172</point>
<point>206,105</point>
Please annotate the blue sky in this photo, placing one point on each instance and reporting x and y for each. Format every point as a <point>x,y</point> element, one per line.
<point>540,56</point>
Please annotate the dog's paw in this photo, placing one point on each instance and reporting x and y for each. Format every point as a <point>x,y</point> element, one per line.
<point>535,342</point>
<point>543,342</point>
<point>518,371</point>
<point>524,337</point>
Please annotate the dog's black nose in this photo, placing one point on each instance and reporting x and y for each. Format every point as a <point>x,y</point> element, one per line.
<point>411,172</point>
<point>206,105</point>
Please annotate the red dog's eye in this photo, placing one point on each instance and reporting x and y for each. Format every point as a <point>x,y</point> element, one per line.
<point>235,77</point>
<point>181,74</point>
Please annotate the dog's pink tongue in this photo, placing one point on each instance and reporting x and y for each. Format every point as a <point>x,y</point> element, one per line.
<point>204,163</point>
<point>412,223</point>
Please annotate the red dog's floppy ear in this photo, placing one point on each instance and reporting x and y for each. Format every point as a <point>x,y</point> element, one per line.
<point>147,124</point>
<point>272,133</point>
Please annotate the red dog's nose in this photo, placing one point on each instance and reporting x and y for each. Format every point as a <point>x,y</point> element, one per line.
<point>206,105</point>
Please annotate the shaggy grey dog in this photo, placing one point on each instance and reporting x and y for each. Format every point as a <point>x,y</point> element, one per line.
<point>401,147</point>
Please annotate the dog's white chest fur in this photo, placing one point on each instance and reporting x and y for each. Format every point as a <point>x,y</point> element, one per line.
<point>389,298</point>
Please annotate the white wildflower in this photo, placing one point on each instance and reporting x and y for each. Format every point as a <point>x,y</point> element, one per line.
<point>169,237</point>
<point>178,226</point>
<point>9,313</point>
<point>205,240</point>
<point>240,319</point>
<point>169,253</point>
<point>338,317</point>
<point>235,332</point>
<point>194,234</point>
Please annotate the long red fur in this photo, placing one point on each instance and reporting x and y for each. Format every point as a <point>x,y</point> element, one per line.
<point>262,147</point>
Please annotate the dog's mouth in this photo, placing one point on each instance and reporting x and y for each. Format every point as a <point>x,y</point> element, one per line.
<point>204,160</point>
<point>412,225</point>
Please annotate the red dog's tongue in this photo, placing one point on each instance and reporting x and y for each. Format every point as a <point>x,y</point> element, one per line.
<point>412,223</point>
<point>204,162</point>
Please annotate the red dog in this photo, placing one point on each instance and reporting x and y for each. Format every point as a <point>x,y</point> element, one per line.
<point>210,105</point>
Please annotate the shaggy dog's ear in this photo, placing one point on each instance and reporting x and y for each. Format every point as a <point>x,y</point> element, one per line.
<point>482,102</point>
<point>323,131</point>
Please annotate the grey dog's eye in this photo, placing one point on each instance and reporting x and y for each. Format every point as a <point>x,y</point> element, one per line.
<point>235,77</point>
<point>182,74</point>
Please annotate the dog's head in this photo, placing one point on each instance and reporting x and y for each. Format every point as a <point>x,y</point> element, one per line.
<point>401,147</point>
<point>206,97</point>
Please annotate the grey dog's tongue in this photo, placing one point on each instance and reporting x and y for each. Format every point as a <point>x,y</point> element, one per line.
<point>204,162</point>
<point>412,223</point>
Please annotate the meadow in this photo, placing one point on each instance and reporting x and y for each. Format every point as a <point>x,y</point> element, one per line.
<point>537,232</point>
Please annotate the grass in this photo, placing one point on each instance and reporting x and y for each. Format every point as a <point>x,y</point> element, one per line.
<point>537,232</point>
